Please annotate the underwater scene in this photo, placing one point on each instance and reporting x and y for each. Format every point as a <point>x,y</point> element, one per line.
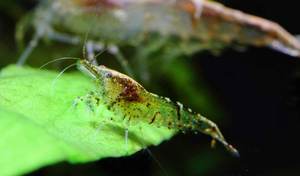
<point>149,88</point>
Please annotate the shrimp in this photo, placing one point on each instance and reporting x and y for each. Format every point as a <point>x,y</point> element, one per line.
<point>196,24</point>
<point>128,99</point>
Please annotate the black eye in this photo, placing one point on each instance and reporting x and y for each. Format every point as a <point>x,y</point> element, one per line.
<point>108,75</point>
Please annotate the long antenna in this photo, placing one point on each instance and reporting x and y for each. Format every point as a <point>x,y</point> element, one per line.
<point>84,49</point>
<point>63,58</point>
<point>84,44</point>
<point>157,161</point>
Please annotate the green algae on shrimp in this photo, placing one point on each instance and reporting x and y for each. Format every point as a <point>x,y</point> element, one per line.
<point>131,101</point>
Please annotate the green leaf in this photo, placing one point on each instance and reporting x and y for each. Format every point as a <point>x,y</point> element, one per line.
<point>43,122</point>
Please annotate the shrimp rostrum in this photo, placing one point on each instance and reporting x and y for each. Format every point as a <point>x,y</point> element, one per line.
<point>199,24</point>
<point>129,100</point>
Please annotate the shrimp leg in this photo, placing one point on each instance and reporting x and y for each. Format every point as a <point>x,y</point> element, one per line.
<point>30,47</point>
<point>51,34</point>
<point>63,38</point>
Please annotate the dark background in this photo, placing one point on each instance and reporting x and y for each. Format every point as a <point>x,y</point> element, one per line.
<point>257,90</point>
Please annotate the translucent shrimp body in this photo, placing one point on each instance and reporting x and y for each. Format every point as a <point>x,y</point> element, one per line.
<point>128,99</point>
<point>131,21</point>
<point>188,26</point>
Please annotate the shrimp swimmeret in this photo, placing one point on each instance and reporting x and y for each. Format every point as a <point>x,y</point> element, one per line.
<point>197,24</point>
<point>129,100</point>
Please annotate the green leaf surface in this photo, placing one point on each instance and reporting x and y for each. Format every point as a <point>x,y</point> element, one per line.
<point>43,122</point>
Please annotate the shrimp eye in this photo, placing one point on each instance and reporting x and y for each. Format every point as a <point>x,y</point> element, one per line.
<point>108,75</point>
